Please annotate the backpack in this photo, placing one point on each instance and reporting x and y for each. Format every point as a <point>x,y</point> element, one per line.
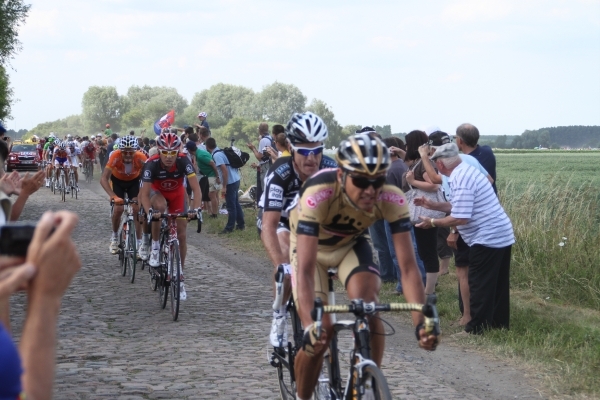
<point>236,157</point>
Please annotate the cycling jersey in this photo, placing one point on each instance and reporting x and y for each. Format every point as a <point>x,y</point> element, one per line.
<point>282,184</point>
<point>322,210</point>
<point>122,171</point>
<point>169,183</point>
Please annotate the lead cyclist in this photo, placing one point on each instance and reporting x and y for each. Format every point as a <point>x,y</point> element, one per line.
<point>329,229</point>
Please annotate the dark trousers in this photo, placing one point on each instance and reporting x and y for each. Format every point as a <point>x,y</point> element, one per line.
<point>427,246</point>
<point>235,214</point>
<point>489,271</point>
<point>379,238</point>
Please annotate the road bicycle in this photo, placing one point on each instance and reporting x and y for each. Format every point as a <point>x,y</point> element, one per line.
<point>363,375</point>
<point>88,170</point>
<point>60,184</point>
<point>166,278</point>
<point>72,183</point>
<point>127,239</point>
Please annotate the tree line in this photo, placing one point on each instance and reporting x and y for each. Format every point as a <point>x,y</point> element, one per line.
<point>234,112</point>
<point>551,138</point>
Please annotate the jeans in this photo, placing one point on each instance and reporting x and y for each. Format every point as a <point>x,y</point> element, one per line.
<point>378,235</point>
<point>235,214</point>
<point>420,264</point>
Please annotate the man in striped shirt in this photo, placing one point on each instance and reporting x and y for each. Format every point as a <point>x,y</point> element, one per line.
<point>485,227</point>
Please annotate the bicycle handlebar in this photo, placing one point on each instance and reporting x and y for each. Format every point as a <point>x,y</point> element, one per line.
<point>359,308</point>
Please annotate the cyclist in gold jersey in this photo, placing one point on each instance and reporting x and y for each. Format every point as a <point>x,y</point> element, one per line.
<point>329,230</point>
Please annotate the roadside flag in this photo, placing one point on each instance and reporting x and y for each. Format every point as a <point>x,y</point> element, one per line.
<point>166,121</point>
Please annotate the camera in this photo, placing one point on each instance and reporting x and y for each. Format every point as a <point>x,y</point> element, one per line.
<point>266,156</point>
<point>15,239</point>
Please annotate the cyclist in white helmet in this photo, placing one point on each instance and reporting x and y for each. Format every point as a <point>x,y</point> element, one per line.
<point>306,133</point>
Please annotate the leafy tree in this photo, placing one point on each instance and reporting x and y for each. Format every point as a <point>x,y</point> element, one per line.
<point>101,105</point>
<point>336,134</point>
<point>222,102</point>
<point>12,16</point>
<point>72,124</point>
<point>500,142</point>
<point>384,131</point>
<point>240,129</point>
<point>278,101</point>
<point>6,94</point>
<point>132,118</point>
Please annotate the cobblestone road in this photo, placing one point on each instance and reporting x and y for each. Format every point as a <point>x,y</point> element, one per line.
<point>115,341</point>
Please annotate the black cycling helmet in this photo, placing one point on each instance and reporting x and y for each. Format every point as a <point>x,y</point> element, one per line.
<point>363,154</point>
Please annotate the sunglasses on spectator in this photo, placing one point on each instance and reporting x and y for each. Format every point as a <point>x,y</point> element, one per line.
<point>305,151</point>
<point>362,182</point>
<point>168,152</point>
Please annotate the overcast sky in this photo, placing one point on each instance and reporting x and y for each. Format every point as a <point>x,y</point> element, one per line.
<point>503,65</point>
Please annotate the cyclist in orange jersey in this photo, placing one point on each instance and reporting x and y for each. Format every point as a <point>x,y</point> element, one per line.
<point>123,169</point>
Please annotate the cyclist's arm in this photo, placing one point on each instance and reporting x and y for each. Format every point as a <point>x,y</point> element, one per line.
<point>106,174</point>
<point>305,279</point>
<point>412,285</point>
<point>270,221</point>
<point>144,195</point>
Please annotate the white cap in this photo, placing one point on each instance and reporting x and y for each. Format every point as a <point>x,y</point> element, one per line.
<point>432,128</point>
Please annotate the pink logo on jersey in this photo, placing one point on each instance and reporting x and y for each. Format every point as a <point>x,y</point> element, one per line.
<point>394,198</point>
<point>320,196</point>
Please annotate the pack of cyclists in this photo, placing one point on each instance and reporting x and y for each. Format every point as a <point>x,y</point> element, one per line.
<point>313,215</point>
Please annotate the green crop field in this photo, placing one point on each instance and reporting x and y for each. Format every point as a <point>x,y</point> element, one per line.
<point>548,167</point>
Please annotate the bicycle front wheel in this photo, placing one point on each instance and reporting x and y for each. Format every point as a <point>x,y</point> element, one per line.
<point>175,270</point>
<point>132,251</point>
<point>63,188</point>
<point>287,384</point>
<point>373,380</point>
<point>123,246</point>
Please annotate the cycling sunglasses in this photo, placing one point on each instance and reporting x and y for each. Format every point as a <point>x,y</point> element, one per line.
<point>168,152</point>
<point>304,151</point>
<point>362,182</point>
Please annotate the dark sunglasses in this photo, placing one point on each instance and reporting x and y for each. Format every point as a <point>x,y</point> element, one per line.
<point>363,182</point>
<point>305,151</point>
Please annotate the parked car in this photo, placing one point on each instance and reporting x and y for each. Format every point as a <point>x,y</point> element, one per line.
<point>23,156</point>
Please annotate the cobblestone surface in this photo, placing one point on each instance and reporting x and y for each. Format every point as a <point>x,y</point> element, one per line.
<point>116,343</point>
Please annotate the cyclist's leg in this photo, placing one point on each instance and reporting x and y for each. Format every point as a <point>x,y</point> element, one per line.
<point>179,204</point>
<point>308,368</point>
<point>119,190</point>
<point>133,189</point>
<point>360,273</point>
<point>159,203</point>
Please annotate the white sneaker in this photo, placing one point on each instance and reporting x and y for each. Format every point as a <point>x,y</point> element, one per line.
<point>154,258</point>
<point>279,332</point>
<point>47,182</point>
<point>114,246</point>
<point>182,293</point>
<point>143,253</point>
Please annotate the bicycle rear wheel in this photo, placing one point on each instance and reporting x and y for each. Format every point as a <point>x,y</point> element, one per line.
<point>132,251</point>
<point>373,378</point>
<point>175,269</point>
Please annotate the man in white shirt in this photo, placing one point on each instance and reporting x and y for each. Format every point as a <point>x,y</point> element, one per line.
<point>485,227</point>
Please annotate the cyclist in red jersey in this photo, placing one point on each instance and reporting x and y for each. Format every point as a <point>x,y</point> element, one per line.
<point>163,188</point>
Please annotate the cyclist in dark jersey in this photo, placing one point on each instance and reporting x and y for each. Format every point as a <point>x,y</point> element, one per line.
<point>306,133</point>
<point>163,188</point>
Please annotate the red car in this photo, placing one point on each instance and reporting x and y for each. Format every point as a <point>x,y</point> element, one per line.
<point>23,156</point>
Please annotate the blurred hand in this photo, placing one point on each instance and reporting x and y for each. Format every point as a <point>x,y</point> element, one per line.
<point>452,239</point>
<point>14,276</point>
<point>424,151</point>
<point>9,183</point>
<point>31,184</point>
<point>251,146</point>
<point>410,177</point>
<point>422,202</point>
<point>427,342</point>
<point>53,254</point>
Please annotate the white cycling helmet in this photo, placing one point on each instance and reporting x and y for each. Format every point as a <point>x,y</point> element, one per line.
<point>306,128</point>
<point>128,142</point>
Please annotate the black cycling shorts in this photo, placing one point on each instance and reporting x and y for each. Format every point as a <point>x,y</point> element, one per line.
<point>120,187</point>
